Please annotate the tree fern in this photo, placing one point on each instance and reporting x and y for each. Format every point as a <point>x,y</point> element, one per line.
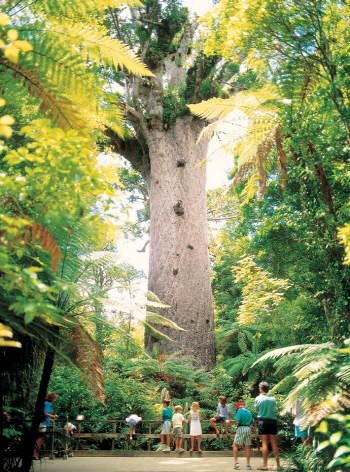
<point>174,367</point>
<point>61,70</point>
<point>320,375</point>
<point>253,138</point>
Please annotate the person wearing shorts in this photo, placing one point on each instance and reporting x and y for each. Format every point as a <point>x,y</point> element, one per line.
<point>243,435</point>
<point>298,412</point>
<point>133,420</point>
<point>177,421</point>
<point>167,415</point>
<point>265,405</point>
<point>223,414</point>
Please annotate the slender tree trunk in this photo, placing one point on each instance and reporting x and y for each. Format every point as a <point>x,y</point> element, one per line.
<point>179,259</point>
<point>2,362</point>
<point>28,447</point>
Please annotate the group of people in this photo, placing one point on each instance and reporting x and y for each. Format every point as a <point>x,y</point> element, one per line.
<point>265,406</point>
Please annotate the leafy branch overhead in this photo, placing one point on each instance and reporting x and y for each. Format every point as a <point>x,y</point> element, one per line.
<point>60,64</point>
<point>253,132</point>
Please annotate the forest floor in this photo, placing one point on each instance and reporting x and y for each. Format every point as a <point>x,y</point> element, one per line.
<point>145,464</point>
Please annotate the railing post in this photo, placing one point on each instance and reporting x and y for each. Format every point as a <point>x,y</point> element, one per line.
<point>79,429</point>
<point>114,431</point>
<point>149,432</point>
<point>185,432</point>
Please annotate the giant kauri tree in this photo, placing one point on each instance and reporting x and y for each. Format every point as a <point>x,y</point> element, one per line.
<point>162,147</point>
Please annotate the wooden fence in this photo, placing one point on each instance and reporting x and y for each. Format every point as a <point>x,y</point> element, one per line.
<point>153,426</point>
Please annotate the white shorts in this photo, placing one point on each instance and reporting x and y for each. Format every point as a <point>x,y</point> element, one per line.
<point>42,428</point>
<point>166,427</point>
<point>243,436</point>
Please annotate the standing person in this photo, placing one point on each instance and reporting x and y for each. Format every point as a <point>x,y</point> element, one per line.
<point>167,415</point>
<point>298,412</point>
<point>46,418</point>
<point>196,428</point>
<point>265,406</point>
<point>177,421</point>
<point>243,435</point>
<point>133,420</point>
<point>223,414</point>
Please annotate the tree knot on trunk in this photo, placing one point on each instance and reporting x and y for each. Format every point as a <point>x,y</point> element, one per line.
<point>181,163</point>
<point>178,208</point>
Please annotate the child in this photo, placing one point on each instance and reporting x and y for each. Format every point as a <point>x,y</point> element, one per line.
<point>177,425</point>
<point>243,435</point>
<point>133,420</point>
<point>71,428</point>
<point>223,414</point>
<point>196,429</point>
<point>167,414</point>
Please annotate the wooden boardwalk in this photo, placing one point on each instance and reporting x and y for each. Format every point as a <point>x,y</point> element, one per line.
<point>146,464</point>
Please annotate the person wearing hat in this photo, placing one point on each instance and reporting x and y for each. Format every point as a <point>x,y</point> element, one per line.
<point>243,435</point>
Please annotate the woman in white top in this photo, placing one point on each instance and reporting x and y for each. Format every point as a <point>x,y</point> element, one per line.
<point>196,428</point>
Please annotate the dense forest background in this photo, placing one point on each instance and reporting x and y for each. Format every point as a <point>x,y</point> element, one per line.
<point>270,80</point>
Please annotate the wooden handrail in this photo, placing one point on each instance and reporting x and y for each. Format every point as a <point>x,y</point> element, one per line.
<point>80,435</point>
<point>114,435</point>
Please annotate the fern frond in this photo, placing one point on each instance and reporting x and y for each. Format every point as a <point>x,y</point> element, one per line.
<point>250,188</point>
<point>47,242</point>
<point>248,101</point>
<point>62,66</point>
<point>284,384</point>
<point>208,132</point>
<point>87,9</point>
<point>59,108</point>
<point>162,320</point>
<point>215,108</point>
<point>152,297</point>
<point>155,332</point>
<point>89,360</point>
<point>286,350</point>
<point>97,47</point>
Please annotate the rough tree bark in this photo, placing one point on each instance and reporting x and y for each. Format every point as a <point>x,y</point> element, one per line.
<point>166,156</point>
<point>179,261</point>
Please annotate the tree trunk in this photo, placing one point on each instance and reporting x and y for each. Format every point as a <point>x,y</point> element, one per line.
<point>179,259</point>
<point>28,447</point>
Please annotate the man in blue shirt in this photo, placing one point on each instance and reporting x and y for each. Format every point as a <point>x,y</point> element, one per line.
<point>265,406</point>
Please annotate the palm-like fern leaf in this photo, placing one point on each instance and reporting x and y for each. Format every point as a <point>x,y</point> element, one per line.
<point>254,116</point>
<point>97,47</point>
<point>88,358</point>
<point>289,349</point>
<point>162,320</point>
<point>58,107</point>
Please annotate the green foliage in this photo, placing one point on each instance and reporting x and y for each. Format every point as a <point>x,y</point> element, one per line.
<point>320,375</point>
<point>174,105</point>
<point>171,369</point>
<point>261,294</point>
<point>56,171</point>
<point>60,67</point>
<point>339,439</point>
